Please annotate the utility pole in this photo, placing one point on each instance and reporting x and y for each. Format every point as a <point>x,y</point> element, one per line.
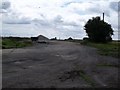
<point>103,16</point>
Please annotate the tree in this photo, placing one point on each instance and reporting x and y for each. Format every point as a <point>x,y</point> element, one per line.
<point>98,30</point>
<point>54,38</point>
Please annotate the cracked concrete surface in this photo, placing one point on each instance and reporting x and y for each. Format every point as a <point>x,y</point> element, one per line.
<point>41,65</point>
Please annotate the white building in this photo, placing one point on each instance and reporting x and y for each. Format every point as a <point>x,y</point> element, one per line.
<point>42,39</point>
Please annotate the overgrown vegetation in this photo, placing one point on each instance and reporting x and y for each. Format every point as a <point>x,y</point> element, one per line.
<point>107,49</point>
<point>77,73</point>
<point>15,42</point>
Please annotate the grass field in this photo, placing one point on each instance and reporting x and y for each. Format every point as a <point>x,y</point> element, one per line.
<point>107,49</point>
<point>15,43</point>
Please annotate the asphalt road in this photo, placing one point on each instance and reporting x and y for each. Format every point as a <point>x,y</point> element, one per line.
<point>42,65</point>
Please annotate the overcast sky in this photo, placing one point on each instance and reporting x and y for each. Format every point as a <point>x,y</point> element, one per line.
<point>54,18</point>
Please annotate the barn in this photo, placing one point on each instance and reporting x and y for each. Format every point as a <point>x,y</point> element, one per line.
<point>42,39</point>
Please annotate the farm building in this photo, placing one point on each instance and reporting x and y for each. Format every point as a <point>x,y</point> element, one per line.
<point>40,39</point>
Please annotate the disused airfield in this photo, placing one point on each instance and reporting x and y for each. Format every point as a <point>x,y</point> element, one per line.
<point>58,64</point>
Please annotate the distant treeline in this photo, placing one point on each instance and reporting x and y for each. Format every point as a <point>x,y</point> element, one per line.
<point>16,38</point>
<point>36,38</point>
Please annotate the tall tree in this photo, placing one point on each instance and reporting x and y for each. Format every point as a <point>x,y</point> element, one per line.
<point>98,30</point>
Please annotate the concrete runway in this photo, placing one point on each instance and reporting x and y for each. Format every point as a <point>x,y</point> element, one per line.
<point>41,65</point>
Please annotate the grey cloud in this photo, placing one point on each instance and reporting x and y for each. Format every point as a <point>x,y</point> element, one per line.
<point>16,21</point>
<point>99,11</point>
<point>68,3</point>
<point>81,12</point>
<point>92,10</point>
<point>119,6</point>
<point>57,23</point>
<point>79,1</point>
<point>58,19</point>
<point>5,5</point>
<point>3,11</point>
<point>42,23</point>
<point>19,22</point>
<point>70,24</point>
<point>114,6</point>
<point>46,23</point>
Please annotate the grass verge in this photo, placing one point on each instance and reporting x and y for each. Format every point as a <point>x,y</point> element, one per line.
<point>8,43</point>
<point>107,49</point>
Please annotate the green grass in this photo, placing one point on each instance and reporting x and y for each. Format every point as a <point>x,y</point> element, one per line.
<point>107,49</point>
<point>87,78</point>
<point>84,75</point>
<point>77,74</point>
<point>14,43</point>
